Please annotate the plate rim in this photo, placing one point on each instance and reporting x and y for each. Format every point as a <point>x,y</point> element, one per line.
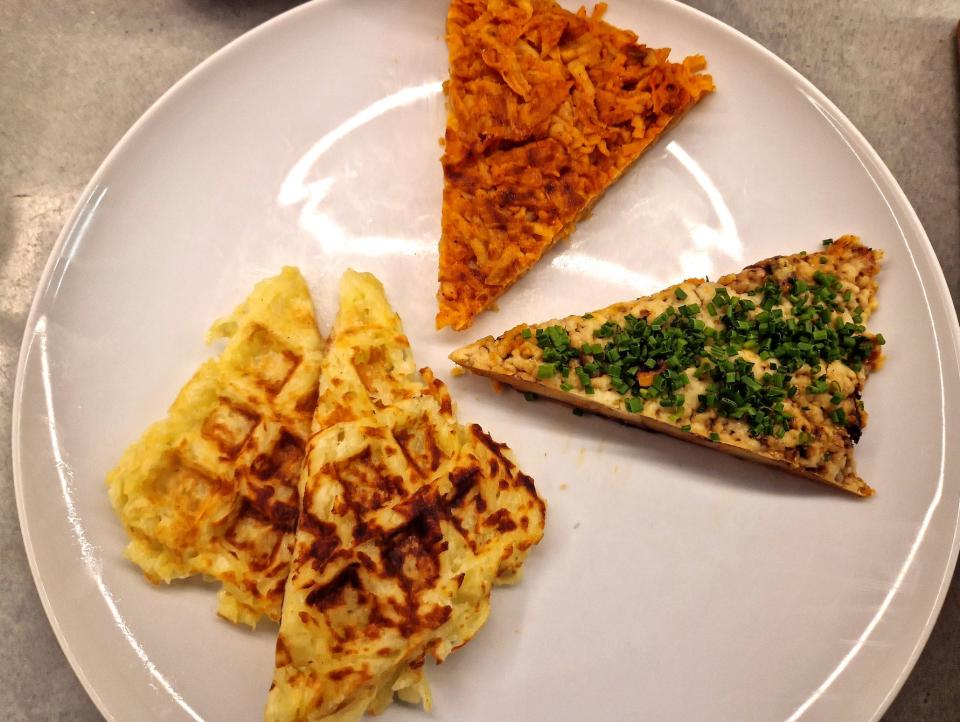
<point>888,186</point>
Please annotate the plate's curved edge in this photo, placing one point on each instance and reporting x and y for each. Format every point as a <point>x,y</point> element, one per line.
<point>890,189</point>
<point>905,214</point>
<point>67,235</point>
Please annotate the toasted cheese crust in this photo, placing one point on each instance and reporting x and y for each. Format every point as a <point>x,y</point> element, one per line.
<point>817,414</point>
<point>408,518</point>
<point>546,108</point>
<point>212,489</point>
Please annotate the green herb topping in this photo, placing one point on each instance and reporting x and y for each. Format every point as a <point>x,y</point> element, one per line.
<point>653,358</point>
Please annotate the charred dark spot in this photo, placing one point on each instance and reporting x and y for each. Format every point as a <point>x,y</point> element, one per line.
<point>334,592</point>
<point>437,616</point>
<point>325,540</point>
<point>529,485</point>
<point>463,480</point>
<point>373,632</point>
<point>308,402</point>
<point>364,483</point>
<point>501,520</point>
<point>361,530</point>
<point>283,517</point>
<point>420,446</point>
<point>495,448</point>
<point>855,432</point>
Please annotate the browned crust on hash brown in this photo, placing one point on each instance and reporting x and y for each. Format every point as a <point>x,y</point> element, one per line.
<point>407,521</point>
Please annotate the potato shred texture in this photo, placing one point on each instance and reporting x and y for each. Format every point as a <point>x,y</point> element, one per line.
<point>212,488</point>
<point>407,520</point>
<point>546,109</point>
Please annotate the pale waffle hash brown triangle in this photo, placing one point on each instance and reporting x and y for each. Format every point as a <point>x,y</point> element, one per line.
<point>546,109</point>
<point>211,490</point>
<point>408,518</point>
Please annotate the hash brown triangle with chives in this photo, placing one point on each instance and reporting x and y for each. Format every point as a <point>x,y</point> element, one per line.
<point>768,364</point>
<point>546,108</point>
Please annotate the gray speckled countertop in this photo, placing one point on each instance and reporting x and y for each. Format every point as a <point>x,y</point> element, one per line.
<point>77,73</point>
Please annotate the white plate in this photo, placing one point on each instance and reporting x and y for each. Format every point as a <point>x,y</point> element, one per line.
<point>673,583</point>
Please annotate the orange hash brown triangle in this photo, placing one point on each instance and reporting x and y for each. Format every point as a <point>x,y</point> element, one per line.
<point>545,110</point>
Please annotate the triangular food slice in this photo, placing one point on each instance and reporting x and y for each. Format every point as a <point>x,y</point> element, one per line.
<point>408,518</point>
<point>768,364</point>
<point>546,109</point>
<point>212,489</point>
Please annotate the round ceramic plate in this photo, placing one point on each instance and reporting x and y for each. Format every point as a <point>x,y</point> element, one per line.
<point>673,583</point>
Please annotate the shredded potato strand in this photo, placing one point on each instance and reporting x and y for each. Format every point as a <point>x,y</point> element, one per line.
<point>546,108</point>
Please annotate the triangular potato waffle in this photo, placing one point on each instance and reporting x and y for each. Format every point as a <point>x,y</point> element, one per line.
<point>212,489</point>
<point>407,520</point>
<point>768,364</point>
<point>546,109</point>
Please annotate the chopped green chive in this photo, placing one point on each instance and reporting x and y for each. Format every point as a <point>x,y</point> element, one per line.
<point>792,325</point>
<point>526,333</point>
<point>714,436</point>
<point>546,371</point>
<point>530,396</point>
<point>827,241</point>
<point>577,411</point>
